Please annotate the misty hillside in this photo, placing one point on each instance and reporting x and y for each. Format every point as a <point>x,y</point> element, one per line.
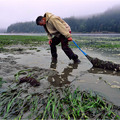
<point>113,10</point>
<point>109,21</point>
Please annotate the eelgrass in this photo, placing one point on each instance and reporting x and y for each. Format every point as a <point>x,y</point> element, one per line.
<point>82,41</point>
<point>64,103</point>
<point>7,40</point>
<point>100,42</point>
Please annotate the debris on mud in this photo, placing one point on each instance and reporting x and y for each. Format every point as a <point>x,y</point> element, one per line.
<point>30,80</point>
<point>96,70</point>
<point>103,64</point>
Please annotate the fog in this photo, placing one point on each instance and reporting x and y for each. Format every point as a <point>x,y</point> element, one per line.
<point>12,11</point>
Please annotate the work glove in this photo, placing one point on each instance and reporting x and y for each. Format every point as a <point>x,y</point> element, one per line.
<point>50,42</point>
<point>69,39</point>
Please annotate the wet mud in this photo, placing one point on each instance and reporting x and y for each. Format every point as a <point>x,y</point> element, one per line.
<point>37,64</point>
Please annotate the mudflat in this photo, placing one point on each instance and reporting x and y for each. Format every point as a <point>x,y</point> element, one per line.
<point>36,61</point>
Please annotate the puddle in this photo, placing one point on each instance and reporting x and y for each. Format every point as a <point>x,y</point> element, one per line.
<point>106,83</point>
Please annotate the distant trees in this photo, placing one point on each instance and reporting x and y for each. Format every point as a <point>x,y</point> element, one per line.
<point>26,27</point>
<point>106,22</point>
<point>109,21</point>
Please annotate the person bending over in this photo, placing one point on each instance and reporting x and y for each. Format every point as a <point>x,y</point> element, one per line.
<point>58,31</point>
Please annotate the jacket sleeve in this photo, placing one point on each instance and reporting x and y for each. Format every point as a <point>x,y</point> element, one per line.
<point>60,27</point>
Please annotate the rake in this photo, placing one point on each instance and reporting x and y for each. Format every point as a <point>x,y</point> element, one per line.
<point>100,63</point>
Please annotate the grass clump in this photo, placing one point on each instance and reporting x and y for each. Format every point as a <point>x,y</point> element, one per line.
<point>78,105</point>
<point>108,46</point>
<point>64,103</point>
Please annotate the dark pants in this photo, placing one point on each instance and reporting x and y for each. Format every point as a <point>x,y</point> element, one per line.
<point>64,45</point>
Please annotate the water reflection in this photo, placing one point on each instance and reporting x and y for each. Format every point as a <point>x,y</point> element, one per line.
<point>59,80</point>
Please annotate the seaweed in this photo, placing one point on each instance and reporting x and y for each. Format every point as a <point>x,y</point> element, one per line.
<point>107,65</point>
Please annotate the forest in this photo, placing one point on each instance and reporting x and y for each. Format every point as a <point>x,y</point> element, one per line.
<point>107,22</point>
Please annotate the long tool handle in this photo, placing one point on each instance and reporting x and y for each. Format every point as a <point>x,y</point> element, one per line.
<point>79,48</point>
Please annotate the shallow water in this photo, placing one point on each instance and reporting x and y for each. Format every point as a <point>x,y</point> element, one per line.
<point>106,83</point>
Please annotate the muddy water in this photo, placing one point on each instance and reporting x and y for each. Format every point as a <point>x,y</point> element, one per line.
<point>106,83</point>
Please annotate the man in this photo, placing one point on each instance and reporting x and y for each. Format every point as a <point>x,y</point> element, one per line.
<point>58,31</point>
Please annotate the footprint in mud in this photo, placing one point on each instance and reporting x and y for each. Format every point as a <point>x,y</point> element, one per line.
<point>9,59</point>
<point>7,65</point>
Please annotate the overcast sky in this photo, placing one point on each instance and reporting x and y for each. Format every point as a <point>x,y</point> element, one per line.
<point>12,11</point>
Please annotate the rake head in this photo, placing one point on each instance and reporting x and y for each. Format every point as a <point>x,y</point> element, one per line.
<point>103,64</point>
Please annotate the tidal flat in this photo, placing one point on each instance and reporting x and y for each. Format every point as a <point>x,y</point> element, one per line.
<point>67,90</point>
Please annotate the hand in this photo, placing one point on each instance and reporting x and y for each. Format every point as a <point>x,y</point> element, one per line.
<point>70,39</point>
<point>50,42</point>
